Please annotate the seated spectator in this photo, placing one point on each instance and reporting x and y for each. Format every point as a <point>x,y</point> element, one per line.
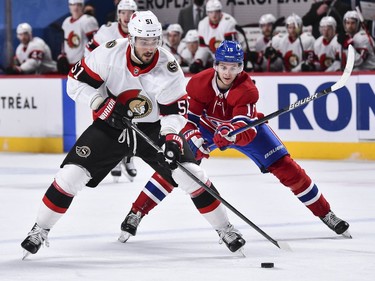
<point>173,43</point>
<point>296,48</point>
<point>33,56</point>
<point>260,61</point>
<point>361,41</point>
<point>197,57</point>
<point>217,26</point>
<point>326,47</point>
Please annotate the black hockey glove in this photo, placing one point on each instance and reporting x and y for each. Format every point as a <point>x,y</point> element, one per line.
<point>112,112</point>
<point>63,66</point>
<point>306,67</point>
<point>270,53</point>
<point>173,149</point>
<point>196,67</point>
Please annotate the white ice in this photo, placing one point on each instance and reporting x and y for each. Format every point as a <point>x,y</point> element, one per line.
<point>174,242</point>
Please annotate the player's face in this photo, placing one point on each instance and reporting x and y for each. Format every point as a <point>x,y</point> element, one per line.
<point>76,10</point>
<point>174,38</point>
<point>227,72</point>
<point>292,30</point>
<point>266,29</point>
<point>145,48</point>
<point>24,38</point>
<point>123,18</point>
<point>350,26</point>
<point>327,32</point>
<point>214,16</point>
<point>192,46</point>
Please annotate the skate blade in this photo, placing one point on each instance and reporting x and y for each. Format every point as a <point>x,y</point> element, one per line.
<point>241,252</point>
<point>347,234</point>
<point>25,254</point>
<point>124,236</point>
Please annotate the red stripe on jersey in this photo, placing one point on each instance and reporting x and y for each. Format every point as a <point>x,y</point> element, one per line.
<point>53,207</point>
<point>167,186</point>
<point>210,207</point>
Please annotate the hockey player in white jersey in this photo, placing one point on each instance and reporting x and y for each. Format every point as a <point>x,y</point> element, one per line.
<point>114,30</point>
<point>174,44</point>
<point>217,26</point>
<point>362,42</point>
<point>296,48</point>
<point>107,32</point>
<point>33,55</point>
<point>326,47</point>
<point>78,28</point>
<point>146,86</point>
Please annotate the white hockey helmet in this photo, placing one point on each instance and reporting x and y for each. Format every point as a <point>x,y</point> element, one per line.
<point>267,18</point>
<point>213,5</point>
<point>72,2</point>
<point>24,28</point>
<point>144,24</point>
<point>192,36</point>
<point>352,15</point>
<point>127,5</point>
<point>175,27</point>
<point>328,21</point>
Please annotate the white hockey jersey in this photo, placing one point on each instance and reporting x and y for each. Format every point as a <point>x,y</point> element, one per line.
<point>35,57</point>
<point>365,57</point>
<point>76,35</point>
<point>294,52</point>
<point>328,54</point>
<point>213,35</point>
<point>154,93</point>
<point>106,32</point>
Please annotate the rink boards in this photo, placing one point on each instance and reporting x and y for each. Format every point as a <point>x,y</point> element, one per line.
<point>37,116</point>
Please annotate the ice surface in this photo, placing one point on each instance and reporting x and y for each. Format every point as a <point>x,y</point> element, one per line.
<point>174,242</point>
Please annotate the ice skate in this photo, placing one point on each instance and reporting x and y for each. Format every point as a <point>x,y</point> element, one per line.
<point>129,226</point>
<point>116,172</point>
<point>130,169</point>
<point>35,239</point>
<point>336,224</point>
<point>231,237</point>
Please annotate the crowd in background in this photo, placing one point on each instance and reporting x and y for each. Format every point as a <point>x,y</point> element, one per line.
<point>316,41</point>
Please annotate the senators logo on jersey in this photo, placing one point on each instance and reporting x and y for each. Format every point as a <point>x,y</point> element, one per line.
<point>73,40</point>
<point>83,151</point>
<point>139,107</point>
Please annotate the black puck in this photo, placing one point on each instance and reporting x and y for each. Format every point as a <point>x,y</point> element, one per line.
<point>267,264</point>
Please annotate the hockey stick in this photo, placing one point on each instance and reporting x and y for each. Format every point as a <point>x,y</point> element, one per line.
<point>339,84</point>
<point>362,20</point>
<point>281,245</point>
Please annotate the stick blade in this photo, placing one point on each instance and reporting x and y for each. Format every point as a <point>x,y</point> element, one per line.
<point>347,71</point>
<point>284,246</point>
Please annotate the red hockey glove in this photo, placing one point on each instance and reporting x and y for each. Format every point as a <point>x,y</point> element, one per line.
<point>197,144</point>
<point>173,149</point>
<point>221,138</point>
<point>112,113</point>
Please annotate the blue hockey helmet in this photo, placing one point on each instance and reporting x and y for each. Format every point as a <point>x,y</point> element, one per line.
<point>229,51</point>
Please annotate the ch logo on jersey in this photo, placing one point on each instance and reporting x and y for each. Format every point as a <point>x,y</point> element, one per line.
<point>83,151</point>
<point>172,66</point>
<point>73,40</point>
<point>139,107</point>
<point>111,44</point>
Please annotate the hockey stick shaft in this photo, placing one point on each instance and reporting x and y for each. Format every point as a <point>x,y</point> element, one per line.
<point>339,84</point>
<point>280,245</point>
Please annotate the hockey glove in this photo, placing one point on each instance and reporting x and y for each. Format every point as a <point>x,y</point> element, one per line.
<point>305,67</point>
<point>173,149</point>
<point>197,144</point>
<point>63,66</point>
<point>221,138</point>
<point>112,113</point>
<point>196,66</point>
<point>270,53</point>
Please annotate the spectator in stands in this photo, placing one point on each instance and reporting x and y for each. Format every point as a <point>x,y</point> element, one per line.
<point>326,47</point>
<point>33,55</point>
<point>190,16</point>
<point>361,41</point>
<point>295,47</point>
<point>197,57</point>
<point>78,30</point>
<point>320,9</point>
<point>112,16</point>
<point>173,43</point>
<point>217,26</point>
<point>262,60</point>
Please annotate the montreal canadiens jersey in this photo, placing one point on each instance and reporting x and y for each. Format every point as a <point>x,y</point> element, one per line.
<point>106,32</point>
<point>213,35</point>
<point>151,94</point>
<point>35,57</point>
<point>294,52</point>
<point>76,34</point>
<point>328,54</point>
<point>217,107</point>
